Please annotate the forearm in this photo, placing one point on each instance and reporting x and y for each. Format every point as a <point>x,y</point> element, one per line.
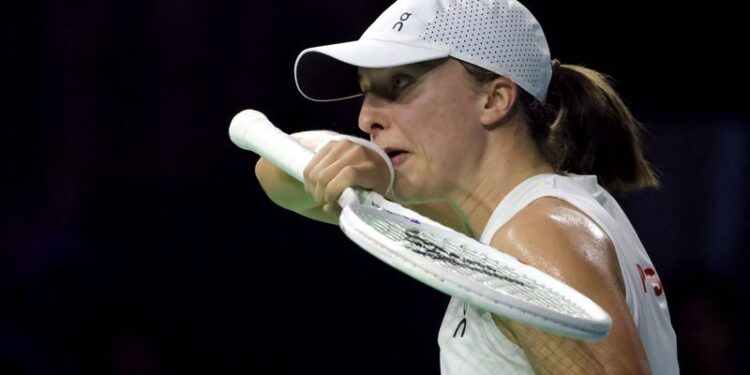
<point>285,190</point>
<point>290,194</point>
<point>281,188</point>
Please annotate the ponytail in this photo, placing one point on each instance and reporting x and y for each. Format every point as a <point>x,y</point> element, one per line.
<point>592,131</point>
<point>585,128</point>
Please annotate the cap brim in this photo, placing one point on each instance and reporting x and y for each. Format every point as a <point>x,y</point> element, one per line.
<point>329,73</point>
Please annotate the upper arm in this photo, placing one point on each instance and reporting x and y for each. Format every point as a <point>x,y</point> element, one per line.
<point>556,238</point>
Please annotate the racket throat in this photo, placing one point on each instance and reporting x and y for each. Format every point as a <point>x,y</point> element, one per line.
<point>348,197</point>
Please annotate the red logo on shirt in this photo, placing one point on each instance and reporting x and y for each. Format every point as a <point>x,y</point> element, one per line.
<point>649,274</point>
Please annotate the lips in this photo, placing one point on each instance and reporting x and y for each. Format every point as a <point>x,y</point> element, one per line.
<point>397,156</point>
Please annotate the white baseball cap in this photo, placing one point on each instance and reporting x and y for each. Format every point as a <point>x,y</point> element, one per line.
<point>501,36</point>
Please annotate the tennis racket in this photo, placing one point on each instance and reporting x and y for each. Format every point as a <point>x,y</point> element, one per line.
<point>435,254</point>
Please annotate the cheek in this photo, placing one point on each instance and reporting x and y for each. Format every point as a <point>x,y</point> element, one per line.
<point>440,128</point>
<point>450,127</point>
<point>443,138</point>
<point>443,113</point>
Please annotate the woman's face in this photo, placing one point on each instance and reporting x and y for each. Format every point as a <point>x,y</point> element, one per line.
<point>426,117</point>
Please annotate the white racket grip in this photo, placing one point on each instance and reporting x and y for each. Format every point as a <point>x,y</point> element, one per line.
<point>251,130</point>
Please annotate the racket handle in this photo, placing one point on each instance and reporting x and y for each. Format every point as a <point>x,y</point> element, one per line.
<point>251,130</point>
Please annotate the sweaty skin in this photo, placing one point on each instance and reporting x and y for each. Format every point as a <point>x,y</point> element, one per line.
<point>458,149</point>
<point>556,238</point>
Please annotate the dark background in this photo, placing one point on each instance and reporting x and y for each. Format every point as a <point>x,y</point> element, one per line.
<point>134,238</point>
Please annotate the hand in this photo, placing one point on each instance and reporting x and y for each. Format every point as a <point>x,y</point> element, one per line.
<point>341,164</point>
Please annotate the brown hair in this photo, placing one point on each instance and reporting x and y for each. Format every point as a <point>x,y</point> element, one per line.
<point>585,128</point>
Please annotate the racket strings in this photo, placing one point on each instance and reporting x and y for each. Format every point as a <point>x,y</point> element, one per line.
<point>464,260</point>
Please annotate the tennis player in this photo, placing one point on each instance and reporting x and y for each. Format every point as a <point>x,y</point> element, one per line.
<point>488,135</point>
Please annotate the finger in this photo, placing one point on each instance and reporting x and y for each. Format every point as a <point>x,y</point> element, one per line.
<point>319,161</point>
<point>336,171</point>
<point>347,177</point>
<point>329,162</point>
<point>332,209</point>
<point>371,170</point>
<point>346,163</point>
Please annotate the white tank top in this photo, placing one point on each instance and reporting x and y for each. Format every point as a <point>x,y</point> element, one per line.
<point>470,343</point>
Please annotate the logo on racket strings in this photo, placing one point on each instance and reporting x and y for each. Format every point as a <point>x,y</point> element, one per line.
<point>423,245</point>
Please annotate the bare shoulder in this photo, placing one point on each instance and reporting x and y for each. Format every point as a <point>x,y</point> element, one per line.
<point>559,239</point>
<point>556,237</point>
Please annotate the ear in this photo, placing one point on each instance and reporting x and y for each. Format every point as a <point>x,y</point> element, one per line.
<point>500,97</point>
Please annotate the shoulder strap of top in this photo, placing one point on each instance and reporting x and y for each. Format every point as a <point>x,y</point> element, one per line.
<point>514,202</point>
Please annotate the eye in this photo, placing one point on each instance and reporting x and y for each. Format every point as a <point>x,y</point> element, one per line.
<point>400,81</point>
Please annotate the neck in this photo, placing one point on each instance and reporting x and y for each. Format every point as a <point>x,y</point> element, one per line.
<point>508,160</point>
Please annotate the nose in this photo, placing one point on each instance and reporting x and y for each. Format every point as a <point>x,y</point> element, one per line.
<point>372,115</point>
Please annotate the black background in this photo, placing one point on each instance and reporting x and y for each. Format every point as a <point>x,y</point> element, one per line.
<point>134,238</point>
